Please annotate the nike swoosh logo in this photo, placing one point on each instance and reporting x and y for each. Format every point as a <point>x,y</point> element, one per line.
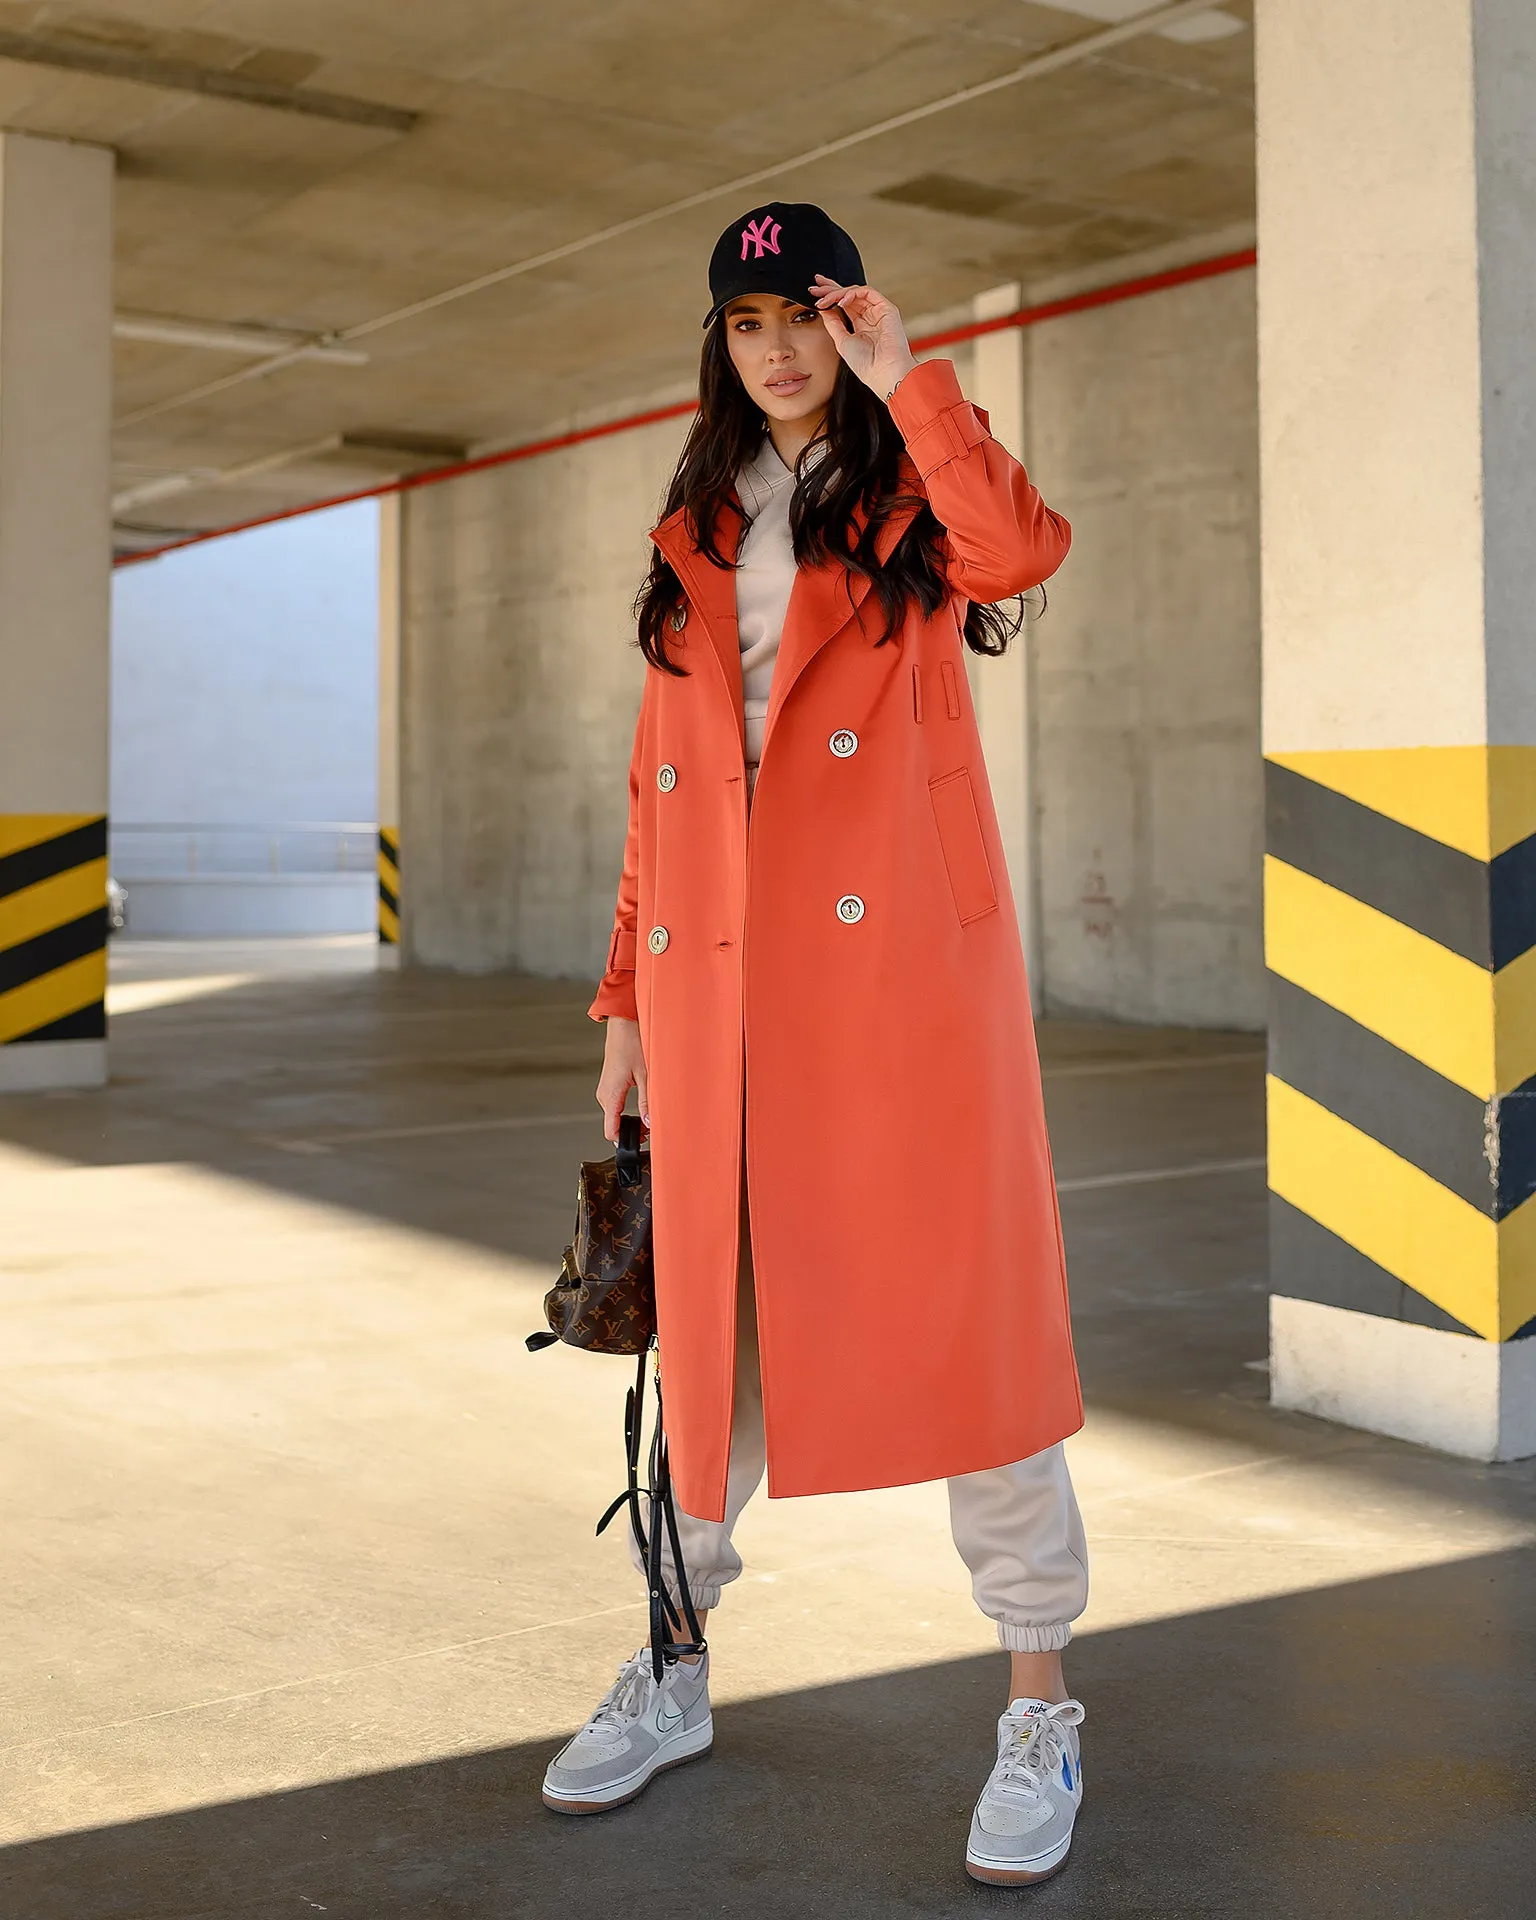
<point>665,1721</point>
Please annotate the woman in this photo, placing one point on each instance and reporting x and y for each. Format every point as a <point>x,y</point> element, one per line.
<point>825,1015</point>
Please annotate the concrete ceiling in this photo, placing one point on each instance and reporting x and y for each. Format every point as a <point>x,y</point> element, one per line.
<point>304,166</point>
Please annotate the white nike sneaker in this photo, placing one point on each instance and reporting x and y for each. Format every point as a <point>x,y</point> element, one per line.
<point>1022,1828</point>
<point>640,1729</point>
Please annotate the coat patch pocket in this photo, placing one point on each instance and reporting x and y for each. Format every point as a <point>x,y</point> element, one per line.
<point>962,844</point>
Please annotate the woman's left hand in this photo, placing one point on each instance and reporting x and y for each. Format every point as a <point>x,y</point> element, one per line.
<point>877,349</point>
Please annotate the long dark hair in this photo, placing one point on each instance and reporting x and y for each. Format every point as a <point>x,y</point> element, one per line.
<point>861,469</point>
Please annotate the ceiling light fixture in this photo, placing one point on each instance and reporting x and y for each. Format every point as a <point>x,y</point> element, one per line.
<point>1213,24</point>
<point>215,337</point>
<point>374,450</point>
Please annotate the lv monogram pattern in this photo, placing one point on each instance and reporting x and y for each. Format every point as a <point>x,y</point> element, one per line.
<point>605,1298</point>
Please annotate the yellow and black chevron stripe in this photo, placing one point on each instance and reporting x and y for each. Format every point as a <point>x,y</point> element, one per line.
<point>53,927</point>
<point>1400,937</point>
<point>389,886</point>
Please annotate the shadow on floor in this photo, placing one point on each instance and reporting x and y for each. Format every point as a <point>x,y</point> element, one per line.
<point>459,1106</point>
<point>1332,1755</point>
<point>385,1093</point>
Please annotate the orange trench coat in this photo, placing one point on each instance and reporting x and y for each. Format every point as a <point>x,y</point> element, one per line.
<point>856,964</point>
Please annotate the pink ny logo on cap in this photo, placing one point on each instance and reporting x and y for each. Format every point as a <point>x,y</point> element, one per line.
<point>762,234</point>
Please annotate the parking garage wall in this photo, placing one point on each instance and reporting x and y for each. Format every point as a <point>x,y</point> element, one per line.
<point>520,683</point>
<point>1145,711</point>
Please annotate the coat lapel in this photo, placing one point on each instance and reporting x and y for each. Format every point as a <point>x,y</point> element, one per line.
<point>711,592</point>
<point>822,603</point>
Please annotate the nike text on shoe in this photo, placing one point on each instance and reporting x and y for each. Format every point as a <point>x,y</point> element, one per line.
<point>1022,1828</point>
<point>640,1729</point>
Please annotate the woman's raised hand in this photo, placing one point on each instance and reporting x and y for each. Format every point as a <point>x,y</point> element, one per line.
<point>623,1068</point>
<point>877,349</point>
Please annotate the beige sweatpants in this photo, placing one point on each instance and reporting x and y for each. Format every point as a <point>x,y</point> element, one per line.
<point>1017,1528</point>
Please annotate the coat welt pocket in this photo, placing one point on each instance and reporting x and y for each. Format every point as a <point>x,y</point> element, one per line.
<point>962,844</point>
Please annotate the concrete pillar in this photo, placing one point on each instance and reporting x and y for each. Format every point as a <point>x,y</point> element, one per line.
<point>1001,687</point>
<point>1397,253</point>
<point>55,560</point>
<point>390,902</point>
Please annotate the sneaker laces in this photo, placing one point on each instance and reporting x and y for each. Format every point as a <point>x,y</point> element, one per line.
<point>1034,1749</point>
<point>625,1700</point>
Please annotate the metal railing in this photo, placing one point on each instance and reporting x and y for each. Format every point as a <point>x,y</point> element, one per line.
<point>152,850</point>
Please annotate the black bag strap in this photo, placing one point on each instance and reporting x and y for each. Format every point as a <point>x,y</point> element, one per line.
<point>661,1483</point>
<point>666,1648</point>
<point>634,1402</point>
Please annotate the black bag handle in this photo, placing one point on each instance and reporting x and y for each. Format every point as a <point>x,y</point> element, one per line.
<point>626,1154</point>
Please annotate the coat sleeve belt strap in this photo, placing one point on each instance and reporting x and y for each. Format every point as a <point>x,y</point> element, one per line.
<point>948,436</point>
<point>621,951</point>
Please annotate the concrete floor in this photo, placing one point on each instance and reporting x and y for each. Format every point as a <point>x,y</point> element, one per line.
<point>301,1588</point>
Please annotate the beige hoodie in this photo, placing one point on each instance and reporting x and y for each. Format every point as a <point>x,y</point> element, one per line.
<point>765,577</point>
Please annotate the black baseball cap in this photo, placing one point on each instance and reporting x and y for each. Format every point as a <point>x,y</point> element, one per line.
<point>780,249</point>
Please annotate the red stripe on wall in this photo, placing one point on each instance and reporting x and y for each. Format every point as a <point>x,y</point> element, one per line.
<point>535,449</point>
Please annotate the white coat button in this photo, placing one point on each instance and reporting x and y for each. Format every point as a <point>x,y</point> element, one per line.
<point>850,908</point>
<point>679,618</point>
<point>666,778</point>
<point>659,938</point>
<point>844,742</point>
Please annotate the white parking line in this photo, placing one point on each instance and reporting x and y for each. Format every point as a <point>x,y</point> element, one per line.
<point>505,1123</point>
<point>1172,1063</point>
<point>514,1123</point>
<point>1144,1176</point>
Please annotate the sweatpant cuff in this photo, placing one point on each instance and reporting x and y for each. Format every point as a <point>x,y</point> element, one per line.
<point>703,1598</point>
<point>1033,1639</point>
